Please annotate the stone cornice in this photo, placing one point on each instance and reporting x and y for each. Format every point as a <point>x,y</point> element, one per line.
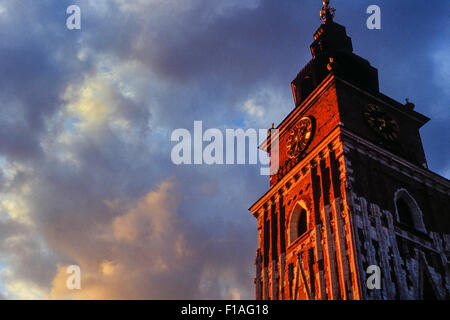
<point>429,178</point>
<point>353,141</point>
<point>389,102</point>
<point>313,156</point>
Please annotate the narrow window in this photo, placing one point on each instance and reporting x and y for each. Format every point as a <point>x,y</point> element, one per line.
<point>404,213</point>
<point>298,223</point>
<point>301,225</point>
<point>408,211</point>
<point>307,86</point>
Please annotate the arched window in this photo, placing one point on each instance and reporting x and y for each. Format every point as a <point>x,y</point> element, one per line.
<point>298,223</point>
<point>301,224</point>
<point>408,211</point>
<point>404,213</point>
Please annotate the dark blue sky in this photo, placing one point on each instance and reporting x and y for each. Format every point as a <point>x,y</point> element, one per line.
<point>85,170</point>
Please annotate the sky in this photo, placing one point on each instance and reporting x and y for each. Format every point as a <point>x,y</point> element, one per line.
<point>86,118</point>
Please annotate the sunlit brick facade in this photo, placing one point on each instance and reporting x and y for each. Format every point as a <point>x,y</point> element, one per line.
<point>355,192</point>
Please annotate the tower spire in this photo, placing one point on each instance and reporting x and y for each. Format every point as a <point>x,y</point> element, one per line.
<point>327,12</point>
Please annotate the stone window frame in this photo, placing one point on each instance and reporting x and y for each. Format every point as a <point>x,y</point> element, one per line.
<point>294,218</point>
<point>417,215</point>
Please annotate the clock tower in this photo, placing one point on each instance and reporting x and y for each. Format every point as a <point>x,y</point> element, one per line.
<point>353,212</point>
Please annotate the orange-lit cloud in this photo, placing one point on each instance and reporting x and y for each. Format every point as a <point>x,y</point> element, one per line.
<point>85,123</point>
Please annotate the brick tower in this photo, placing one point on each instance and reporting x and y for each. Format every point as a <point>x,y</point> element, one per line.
<point>353,194</point>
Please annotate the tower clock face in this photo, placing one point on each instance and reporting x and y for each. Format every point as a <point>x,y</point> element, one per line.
<point>299,137</point>
<point>381,122</point>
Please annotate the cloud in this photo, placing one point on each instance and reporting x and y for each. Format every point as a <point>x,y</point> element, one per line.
<point>149,251</point>
<point>141,241</point>
<point>150,220</point>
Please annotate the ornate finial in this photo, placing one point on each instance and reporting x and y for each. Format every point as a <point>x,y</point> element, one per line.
<point>409,104</point>
<point>327,13</point>
<point>332,65</point>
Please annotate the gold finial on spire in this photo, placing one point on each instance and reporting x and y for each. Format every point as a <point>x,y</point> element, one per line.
<point>327,13</point>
